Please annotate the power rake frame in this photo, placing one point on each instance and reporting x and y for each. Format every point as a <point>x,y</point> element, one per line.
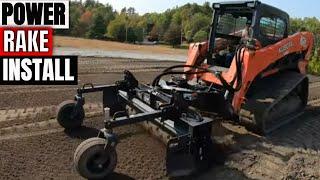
<point>188,133</point>
<point>185,107</point>
<point>182,110</point>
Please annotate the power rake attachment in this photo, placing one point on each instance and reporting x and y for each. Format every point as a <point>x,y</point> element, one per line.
<point>241,73</point>
<point>171,106</point>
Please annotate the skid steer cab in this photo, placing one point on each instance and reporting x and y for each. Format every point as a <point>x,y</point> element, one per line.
<point>250,72</point>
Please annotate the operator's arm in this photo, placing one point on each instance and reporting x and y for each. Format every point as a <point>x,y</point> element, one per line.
<point>245,34</point>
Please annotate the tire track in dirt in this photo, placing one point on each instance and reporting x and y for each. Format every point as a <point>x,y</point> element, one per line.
<point>28,122</point>
<point>313,103</point>
<point>314,90</point>
<point>100,65</point>
<point>36,90</point>
<point>314,85</point>
<point>102,70</point>
<point>291,152</point>
<point>14,117</point>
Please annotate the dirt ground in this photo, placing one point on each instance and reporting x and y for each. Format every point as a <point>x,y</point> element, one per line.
<point>62,41</point>
<point>33,146</point>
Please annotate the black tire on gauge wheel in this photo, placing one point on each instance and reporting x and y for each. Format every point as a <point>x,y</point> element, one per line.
<point>94,160</point>
<point>69,116</point>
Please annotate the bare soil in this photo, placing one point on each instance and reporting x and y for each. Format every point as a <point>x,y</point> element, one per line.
<point>33,146</point>
<point>63,41</point>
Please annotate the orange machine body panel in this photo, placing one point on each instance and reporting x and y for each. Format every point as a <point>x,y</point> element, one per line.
<point>254,62</point>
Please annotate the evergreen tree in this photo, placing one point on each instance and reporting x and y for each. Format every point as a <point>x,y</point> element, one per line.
<point>98,28</point>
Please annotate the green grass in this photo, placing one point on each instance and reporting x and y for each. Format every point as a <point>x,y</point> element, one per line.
<point>314,65</point>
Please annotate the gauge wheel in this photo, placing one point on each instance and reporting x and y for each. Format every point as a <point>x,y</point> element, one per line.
<point>69,115</point>
<point>93,159</point>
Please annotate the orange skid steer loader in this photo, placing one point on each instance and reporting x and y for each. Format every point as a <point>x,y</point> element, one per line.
<point>250,71</point>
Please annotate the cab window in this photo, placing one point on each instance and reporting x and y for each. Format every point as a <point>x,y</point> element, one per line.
<point>272,28</point>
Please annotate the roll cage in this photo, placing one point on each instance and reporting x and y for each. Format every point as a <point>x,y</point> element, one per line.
<point>269,24</point>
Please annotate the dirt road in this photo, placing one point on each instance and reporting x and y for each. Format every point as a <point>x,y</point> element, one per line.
<point>33,146</point>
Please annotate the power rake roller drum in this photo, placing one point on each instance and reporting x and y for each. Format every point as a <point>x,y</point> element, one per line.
<point>70,114</point>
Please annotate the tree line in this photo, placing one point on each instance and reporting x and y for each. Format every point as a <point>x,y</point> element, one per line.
<point>312,25</point>
<point>92,19</point>
<point>189,23</point>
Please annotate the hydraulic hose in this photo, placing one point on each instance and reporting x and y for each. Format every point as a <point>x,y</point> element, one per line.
<point>238,77</point>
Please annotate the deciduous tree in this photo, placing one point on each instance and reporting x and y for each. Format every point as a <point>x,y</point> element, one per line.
<point>173,35</point>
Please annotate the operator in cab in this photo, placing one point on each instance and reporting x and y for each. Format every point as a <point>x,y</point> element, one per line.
<point>247,31</point>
